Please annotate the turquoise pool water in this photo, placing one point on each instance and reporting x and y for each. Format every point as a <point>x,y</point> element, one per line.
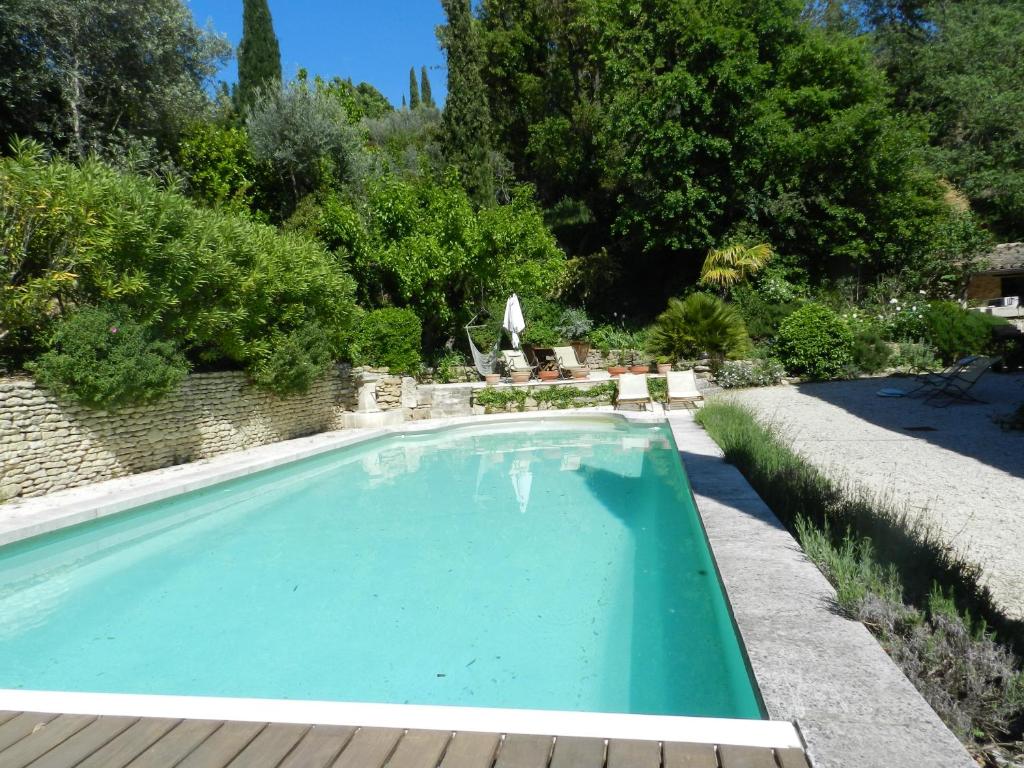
<point>547,565</point>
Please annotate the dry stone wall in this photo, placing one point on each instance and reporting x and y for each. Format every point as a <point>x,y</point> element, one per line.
<point>47,444</point>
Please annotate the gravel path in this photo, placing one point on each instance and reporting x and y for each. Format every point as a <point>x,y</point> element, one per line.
<point>952,466</point>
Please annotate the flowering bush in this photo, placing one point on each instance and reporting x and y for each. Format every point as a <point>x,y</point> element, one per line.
<point>905,319</point>
<point>749,373</point>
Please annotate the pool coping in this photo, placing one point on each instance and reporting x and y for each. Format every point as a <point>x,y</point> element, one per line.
<point>850,703</point>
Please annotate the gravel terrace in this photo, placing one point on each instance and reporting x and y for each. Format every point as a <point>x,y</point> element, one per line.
<point>952,466</point>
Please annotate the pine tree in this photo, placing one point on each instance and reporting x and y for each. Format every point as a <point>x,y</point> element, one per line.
<point>466,120</point>
<point>428,99</point>
<point>414,91</point>
<point>259,55</point>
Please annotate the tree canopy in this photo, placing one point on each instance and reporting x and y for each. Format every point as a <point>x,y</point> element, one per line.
<point>259,55</point>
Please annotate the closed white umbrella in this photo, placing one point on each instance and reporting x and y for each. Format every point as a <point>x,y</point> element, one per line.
<point>513,321</point>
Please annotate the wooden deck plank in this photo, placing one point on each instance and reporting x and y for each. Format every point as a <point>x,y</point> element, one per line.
<point>82,744</point>
<point>270,747</point>
<point>518,751</point>
<point>369,748</point>
<point>177,744</point>
<point>319,747</point>
<point>420,749</point>
<point>791,758</point>
<point>745,757</point>
<point>129,744</point>
<point>471,750</point>
<point>222,745</point>
<point>43,739</point>
<point>627,753</point>
<point>678,755</point>
<point>573,752</point>
<point>20,726</point>
<point>6,715</point>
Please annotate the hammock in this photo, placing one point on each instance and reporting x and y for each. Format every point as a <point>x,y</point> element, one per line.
<point>484,362</point>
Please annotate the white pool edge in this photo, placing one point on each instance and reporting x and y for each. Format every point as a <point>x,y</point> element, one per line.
<point>774,734</point>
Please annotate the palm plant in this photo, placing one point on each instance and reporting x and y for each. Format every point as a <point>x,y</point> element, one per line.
<point>724,267</point>
<point>699,324</point>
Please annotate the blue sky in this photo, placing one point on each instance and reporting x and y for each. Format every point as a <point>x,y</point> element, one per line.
<point>372,40</point>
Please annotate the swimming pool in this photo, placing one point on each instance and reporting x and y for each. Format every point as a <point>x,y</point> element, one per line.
<point>546,565</point>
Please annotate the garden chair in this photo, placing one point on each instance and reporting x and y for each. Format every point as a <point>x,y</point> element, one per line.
<point>682,389</point>
<point>633,390</point>
<point>957,387</point>
<point>927,382</point>
<point>514,361</point>
<point>567,362</point>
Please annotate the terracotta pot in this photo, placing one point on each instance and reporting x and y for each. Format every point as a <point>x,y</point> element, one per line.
<point>664,368</point>
<point>581,348</point>
<point>615,370</point>
<point>580,373</point>
<point>520,377</point>
<point>639,368</point>
<point>547,375</point>
<point>492,379</point>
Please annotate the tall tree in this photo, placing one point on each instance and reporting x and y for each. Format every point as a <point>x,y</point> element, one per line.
<point>83,75</point>
<point>428,99</point>
<point>414,91</point>
<point>467,121</point>
<point>259,55</point>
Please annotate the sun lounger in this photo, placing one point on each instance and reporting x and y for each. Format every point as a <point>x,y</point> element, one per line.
<point>567,361</point>
<point>682,389</point>
<point>514,361</point>
<point>633,390</point>
<point>927,382</point>
<point>957,387</point>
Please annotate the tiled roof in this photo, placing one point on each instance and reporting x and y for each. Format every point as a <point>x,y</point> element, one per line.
<point>1005,256</point>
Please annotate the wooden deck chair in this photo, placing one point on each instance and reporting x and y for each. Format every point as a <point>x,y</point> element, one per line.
<point>514,361</point>
<point>633,390</point>
<point>957,387</point>
<point>682,389</point>
<point>567,362</point>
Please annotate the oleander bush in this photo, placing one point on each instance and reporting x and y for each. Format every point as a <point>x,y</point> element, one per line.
<point>102,359</point>
<point>389,338</point>
<point>815,342</point>
<point>749,373</point>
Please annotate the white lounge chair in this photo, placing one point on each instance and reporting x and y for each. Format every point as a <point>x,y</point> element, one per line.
<point>633,390</point>
<point>567,361</point>
<point>682,389</point>
<point>514,361</point>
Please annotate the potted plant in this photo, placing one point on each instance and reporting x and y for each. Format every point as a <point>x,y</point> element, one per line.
<point>520,377</point>
<point>547,375</point>
<point>492,379</point>
<point>575,326</point>
<point>580,373</point>
<point>664,365</point>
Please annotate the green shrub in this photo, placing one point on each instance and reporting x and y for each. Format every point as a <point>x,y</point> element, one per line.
<point>749,373</point>
<point>104,360</point>
<point>815,342</point>
<point>871,353</point>
<point>452,364</point>
<point>389,338</point>
<point>761,316</point>
<point>697,325</point>
<point>574,324</point>
<point>296,361</point>
<point>543,321</point>
<point>914,357</point>
<point>955,332</point>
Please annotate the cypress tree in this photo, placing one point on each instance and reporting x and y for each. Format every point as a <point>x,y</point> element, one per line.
<point>259,55</point>
<point>466,120</point>
<point>428,99</point>
<point>414,92</point>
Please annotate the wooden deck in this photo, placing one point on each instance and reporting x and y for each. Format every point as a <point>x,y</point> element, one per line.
<point>87,741</point>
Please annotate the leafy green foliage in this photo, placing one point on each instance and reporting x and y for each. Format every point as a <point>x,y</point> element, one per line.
<point>414,90</point>
<point>220,285</point>
<point>749,373</point>
<point>303,134</point>
<point>725,267</point>
<point>467,122</point>
<point>389,338</point>
<point>296,360</point>
<point>574,324</point>
<point>219,166</point>
<point>104,360</point>
<point>556,397</point>
<point>870,351</point>
<point>79,75</point>
<point>697,325</point>
<point>428,99</point>
<point>762,316</point>
<point>814,341</point>
<point>259,55</point>
<point>956,333</point>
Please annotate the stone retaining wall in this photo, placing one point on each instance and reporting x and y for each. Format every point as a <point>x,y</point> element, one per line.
<point>48,444</point>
